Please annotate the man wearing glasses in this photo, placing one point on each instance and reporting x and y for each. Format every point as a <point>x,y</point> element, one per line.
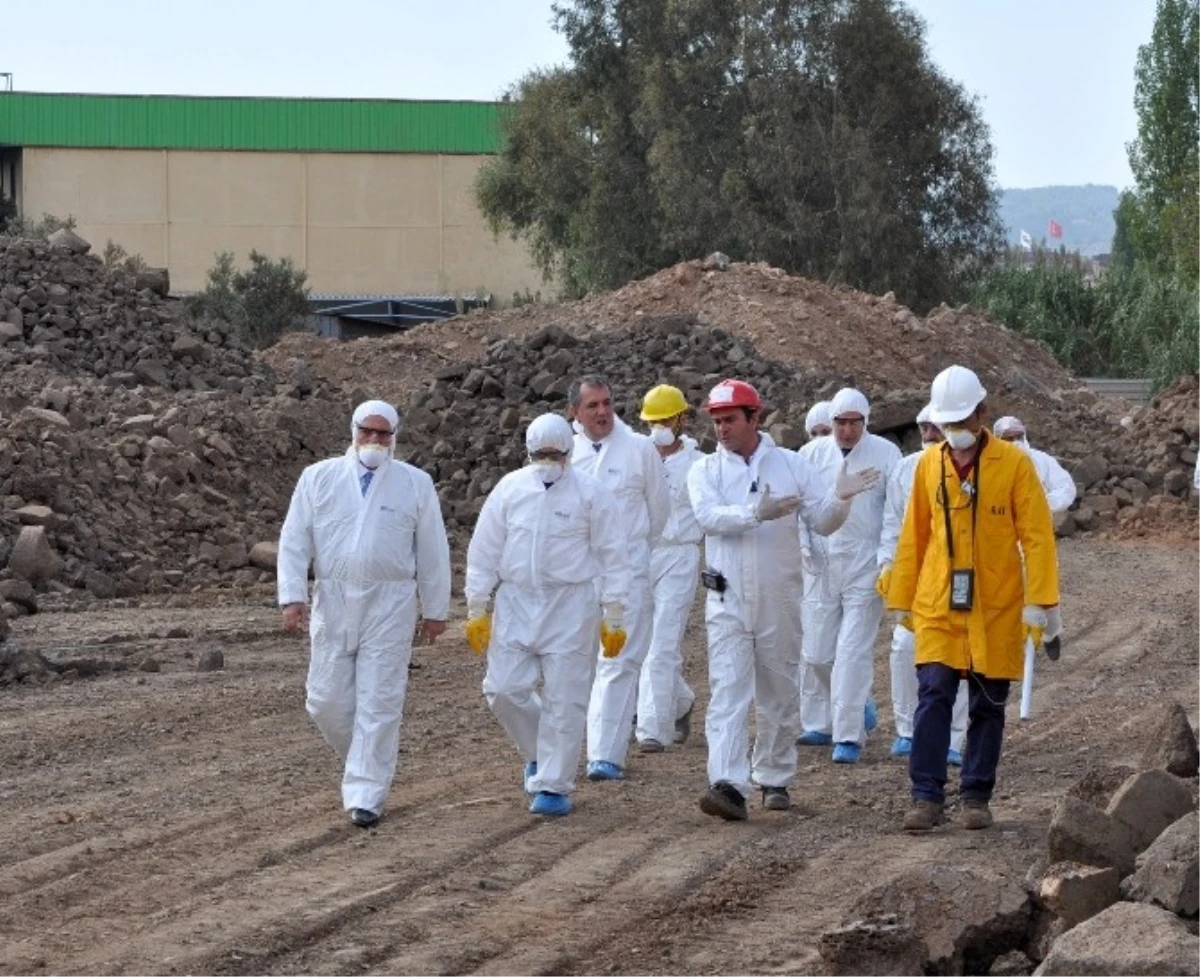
<point>976,506</point>
<point>371,528</point>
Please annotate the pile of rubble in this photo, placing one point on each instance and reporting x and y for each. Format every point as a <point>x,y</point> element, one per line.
<point>139,451</point>
<point>1115,892</point>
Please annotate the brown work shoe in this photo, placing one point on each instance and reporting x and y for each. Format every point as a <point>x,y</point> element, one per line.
<point>976,815</point>
<point>924,816</point>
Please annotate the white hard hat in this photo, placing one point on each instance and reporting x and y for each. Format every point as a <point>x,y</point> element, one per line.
<point>818,416</point>
<point>954,395</point>
<point>849,401</point>
<point>549,431</point>
<point>923,416</point>
<point>1006,425</point>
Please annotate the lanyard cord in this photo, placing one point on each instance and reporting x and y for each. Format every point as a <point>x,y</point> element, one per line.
<point>974,502</point>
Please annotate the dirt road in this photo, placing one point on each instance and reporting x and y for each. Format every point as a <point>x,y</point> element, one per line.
<point>175,821</point>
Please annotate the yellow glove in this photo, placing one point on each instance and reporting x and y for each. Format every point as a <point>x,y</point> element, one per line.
<point>479,633</point>
<point>885,578</point>
<point>1035,621</point>
<point>612,640</point>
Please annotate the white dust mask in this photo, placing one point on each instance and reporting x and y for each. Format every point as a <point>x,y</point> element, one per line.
<point>662,436</point>
<point>959,438</point>
<point>372,455</point>
<point>549,470</point>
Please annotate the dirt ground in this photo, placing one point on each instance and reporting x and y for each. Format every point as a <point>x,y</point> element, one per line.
<point>175,821</point>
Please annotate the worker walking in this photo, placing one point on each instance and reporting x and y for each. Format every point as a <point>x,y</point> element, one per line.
<point>665,701</point>
<point>548,544</point>
<point>836,703</point>
<point>748,497</point>
<point>976,505</point>
<point>629,466</point>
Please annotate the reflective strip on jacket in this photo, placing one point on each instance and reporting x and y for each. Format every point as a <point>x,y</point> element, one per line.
<point>1012,516</point>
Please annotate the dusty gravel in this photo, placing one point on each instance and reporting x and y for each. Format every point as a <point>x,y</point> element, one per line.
<point>185,822</point>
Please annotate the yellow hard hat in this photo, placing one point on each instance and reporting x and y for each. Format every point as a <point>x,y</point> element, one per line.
<point>662,402</point>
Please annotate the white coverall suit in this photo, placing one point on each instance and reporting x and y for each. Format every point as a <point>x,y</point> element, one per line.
<point>663,695</point>
<point>754,626</point>
<point>373,556</point>
<point>1058,483</point>
<point>550,550</point>
<point>838,671</point>
<point>903,654</point>
<point>628,464</point>
<point>818,607</point>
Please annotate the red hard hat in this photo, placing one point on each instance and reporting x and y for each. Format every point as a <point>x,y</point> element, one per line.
<point>732,393</point>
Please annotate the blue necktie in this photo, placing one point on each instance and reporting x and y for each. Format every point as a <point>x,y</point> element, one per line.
<point>365,481</point>
<point>597,445</point>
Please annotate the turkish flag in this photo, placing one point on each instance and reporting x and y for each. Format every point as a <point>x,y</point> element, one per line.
<point>1055,228</point>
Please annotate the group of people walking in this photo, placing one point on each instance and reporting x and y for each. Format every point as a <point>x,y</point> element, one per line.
<point>584,565</point>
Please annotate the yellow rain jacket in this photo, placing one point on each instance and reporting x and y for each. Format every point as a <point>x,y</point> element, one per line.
<point>1011,509</point>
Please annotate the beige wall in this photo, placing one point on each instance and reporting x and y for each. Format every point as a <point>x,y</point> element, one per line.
<point>359,223</point>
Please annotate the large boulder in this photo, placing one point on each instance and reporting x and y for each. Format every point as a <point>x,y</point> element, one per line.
<point>1127,938</point>
<point>1168,871</point>
<point>1075,892</point>
<point>1173,744</point>
<point>33,557</point>
<point>883,946</point>
<point>1082,833</point>
<point>1148,803</point>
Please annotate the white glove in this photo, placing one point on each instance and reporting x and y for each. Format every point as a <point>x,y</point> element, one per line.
<point>849,483</point>
<point>614,615</point>
<point>1035,617</point>
<point>769,508</point>
<point>1053,623</point>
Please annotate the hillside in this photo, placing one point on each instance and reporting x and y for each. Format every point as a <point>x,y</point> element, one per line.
<point>1085,213</point>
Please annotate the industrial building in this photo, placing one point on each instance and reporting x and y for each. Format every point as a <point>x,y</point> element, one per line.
<point>371,198</point>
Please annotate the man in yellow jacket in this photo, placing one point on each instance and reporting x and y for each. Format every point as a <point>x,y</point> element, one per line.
<point>976,506</point>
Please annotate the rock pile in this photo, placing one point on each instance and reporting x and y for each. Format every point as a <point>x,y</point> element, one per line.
<point>1116,892</point>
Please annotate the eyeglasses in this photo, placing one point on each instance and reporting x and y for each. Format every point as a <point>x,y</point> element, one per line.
<point>848,421</point>
<point>548,455</point>
<point>379,433</point>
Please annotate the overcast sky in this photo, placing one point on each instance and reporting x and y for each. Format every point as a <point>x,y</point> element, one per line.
<point>1054,77</point>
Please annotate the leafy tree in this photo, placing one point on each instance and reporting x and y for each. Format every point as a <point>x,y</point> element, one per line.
<point>816,136</point>
<point>261,303</point>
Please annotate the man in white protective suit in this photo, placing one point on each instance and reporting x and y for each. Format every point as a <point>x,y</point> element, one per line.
<point>628,465</point>
<point>838,671</point>
<point>749,497</point>
<point>665,701</point>
<point>371,528</point>
<point>902,659</point>
<point>1059,485</point>
<point>549,544</point>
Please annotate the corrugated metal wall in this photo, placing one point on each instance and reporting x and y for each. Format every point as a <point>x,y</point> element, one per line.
<point>263,124</point>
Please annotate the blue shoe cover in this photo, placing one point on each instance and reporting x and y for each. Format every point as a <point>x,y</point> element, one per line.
<point>954,758</point>
<point>870,716</point>
<point>846,753</point>
<point>551,805</point>
<point>810,737</point>
<point>902,746</point>
<point>603,770</point>
<point>530,773</point>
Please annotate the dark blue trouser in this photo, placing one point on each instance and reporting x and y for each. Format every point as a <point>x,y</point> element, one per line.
<point>937,685</point>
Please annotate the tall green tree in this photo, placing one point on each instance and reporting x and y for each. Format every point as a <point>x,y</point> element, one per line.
<point>1158,221</point>
<point>814,135</point>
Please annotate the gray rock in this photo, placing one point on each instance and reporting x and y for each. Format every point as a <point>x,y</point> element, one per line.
<point>1173,744</point>
<point>264,555</point>
<point>787,436</point>
<point>100,585</point>
<point>1168,871</point>
<point>158,280</point>
<point>10,332</point>
<point>1148,803</point>
<point>210,660</point>
<point>1082,833</point>
<point>1089,471</point>
<point>965,917</point>
<point>1127,938</point>
<point>41,417</point>
<point>67,240</point>
<point>37,515</point>
<point>32,557</point>
<point>1075,892</point>
<point>1064,524</point>
<point>883,946</point>
<point>19,592</point>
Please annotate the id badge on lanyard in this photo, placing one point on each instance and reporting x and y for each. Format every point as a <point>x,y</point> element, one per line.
<point>962,581</point>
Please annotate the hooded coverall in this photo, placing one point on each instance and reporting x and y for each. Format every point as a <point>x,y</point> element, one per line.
<point>839,673</point>
<point>663,695</point>
<point>373,557</point>
<point>553,555</point>
<point>628,464</point>
<point>754,625</point>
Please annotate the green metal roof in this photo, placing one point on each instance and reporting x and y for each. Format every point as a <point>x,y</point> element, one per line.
<point>264,124</point>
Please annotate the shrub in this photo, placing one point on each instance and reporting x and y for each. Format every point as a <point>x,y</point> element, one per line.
<point>260,303</point>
